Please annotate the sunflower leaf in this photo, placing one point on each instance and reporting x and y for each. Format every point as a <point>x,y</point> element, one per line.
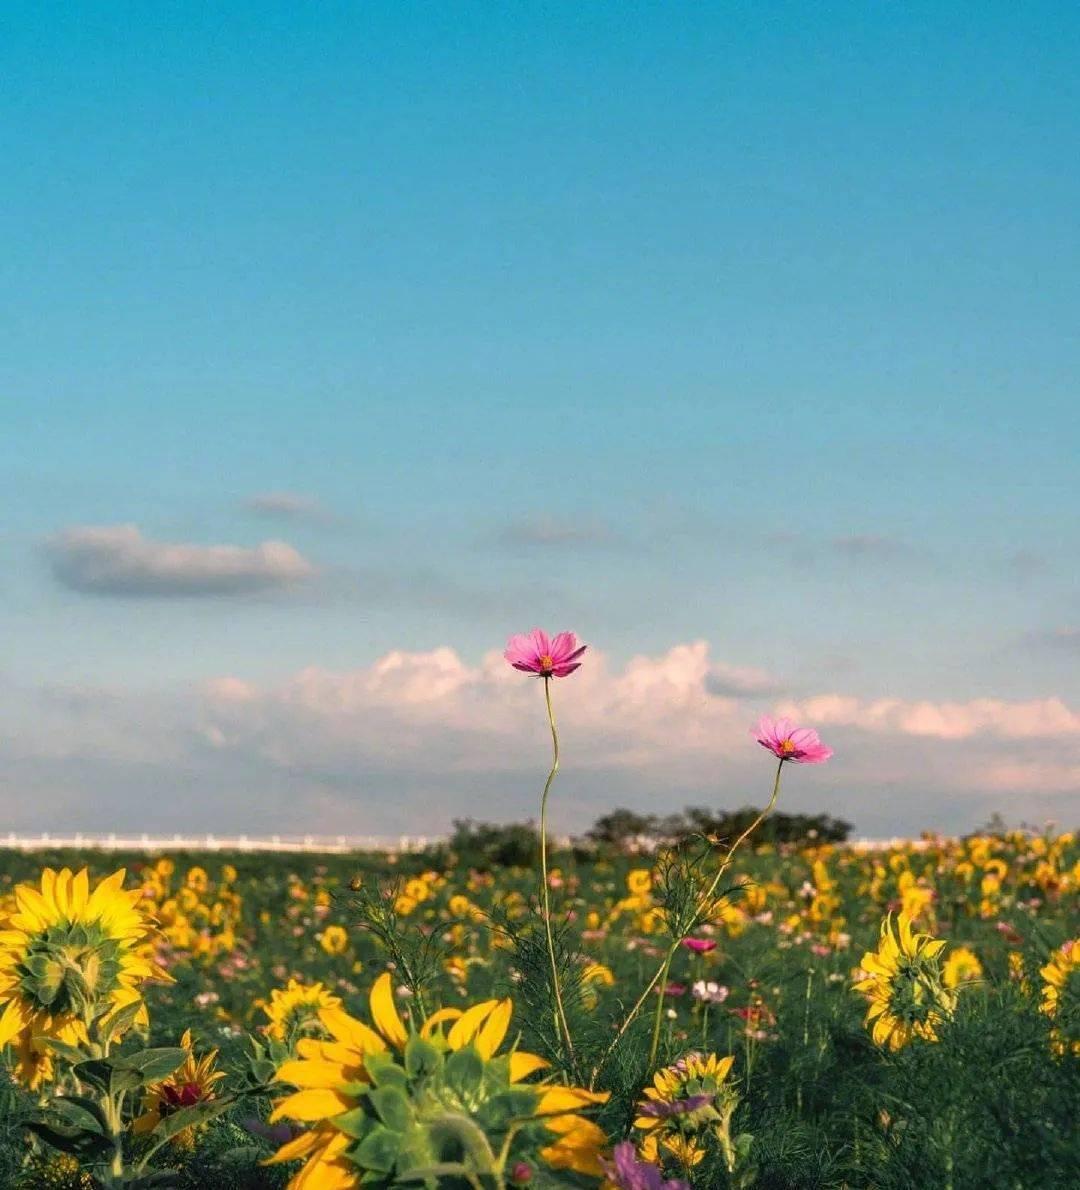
<point>191,1117</point>
<point>153,1065</point>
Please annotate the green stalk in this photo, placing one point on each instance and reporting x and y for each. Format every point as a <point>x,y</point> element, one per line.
<point>560,1012</point>
<point>702,907</point>
<point>654,1044</point>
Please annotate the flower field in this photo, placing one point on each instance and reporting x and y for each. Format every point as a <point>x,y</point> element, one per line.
<point>714,1010</point>
<point>983,1093</point>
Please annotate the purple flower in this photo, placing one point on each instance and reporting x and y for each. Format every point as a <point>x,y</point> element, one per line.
<point>676,1107</point>
<point>626,1172</point>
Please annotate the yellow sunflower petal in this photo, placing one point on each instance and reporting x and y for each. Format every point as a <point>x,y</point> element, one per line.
<point>493,1032</point>
<point>522,1065</point>
<point>556,1100</point>
<point>307,1073</point>
<point>384,1012</point>
<point>437,1018</point>
<point>299,1147</point>
<point>350,1031</point>
<point>16,1017</point>
<point>317,1103</point>
<point>466,1026</point>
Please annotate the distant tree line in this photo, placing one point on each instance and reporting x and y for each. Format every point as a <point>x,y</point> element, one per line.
<point>517,844</point>
<point>625,830</point>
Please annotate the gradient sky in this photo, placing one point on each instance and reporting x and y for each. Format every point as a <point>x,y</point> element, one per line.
<point>753,324</point>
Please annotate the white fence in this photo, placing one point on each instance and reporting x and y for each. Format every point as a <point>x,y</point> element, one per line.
<point>329,844</point>
<point>314,843</point>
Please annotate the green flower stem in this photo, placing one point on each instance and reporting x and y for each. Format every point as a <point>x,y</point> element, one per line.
<point>560,1012</point>
<point>704,903</point>
<point>480,1167</point>
<point>507,1144</point>
<point>702,908</point>
<point>654,1044</point>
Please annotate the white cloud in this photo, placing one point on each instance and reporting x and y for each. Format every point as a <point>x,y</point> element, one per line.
<point>1045,718</point>
<point>434,711</point>
<point>291,506</point>
<point>119,560</point>
<point>739,681</point>
<point>414,739</point>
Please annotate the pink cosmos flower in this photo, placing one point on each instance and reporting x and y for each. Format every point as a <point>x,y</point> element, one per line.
<point>535,653</point>
<point>699,945</point>
<point>784,739</point>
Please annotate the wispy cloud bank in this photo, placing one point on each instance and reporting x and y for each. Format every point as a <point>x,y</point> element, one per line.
<point>734,681</point>
<point>1065,639</point>
<point>415,739</point>
<point>287,506</point>
<point>548,531</point>
<point>119,560</point>
<point>1046,718</point>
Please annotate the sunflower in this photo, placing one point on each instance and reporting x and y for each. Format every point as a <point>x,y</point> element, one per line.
<point>593,976</point>
<point>639,881</point>
<point>687,1103</point>
<point>192,1083</point>
<point>338,1081</point>
<point>962,966</point>
<point>904,987</point>
<point>334,940</point>
<point>33,1065</point>
<point>295,1009</point>
<point>69,955</point>
<point>1061,995</point>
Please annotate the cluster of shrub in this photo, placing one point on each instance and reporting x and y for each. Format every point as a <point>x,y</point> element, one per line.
<point>625,832</point>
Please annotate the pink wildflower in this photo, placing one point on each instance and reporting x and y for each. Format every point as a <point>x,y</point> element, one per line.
<point>535,653</point>
<point>699,945</point>
<point>783,739</point>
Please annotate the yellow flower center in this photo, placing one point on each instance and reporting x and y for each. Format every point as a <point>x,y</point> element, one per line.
<point>787,746</point>
<point>546,663</point>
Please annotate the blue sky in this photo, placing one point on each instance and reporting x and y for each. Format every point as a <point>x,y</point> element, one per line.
<point>753,324</point>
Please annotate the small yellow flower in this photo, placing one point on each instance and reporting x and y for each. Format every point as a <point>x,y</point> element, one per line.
<point>334,940</point>
<point>639,881</point>
<point>961,966</point>
<point>1061,996</point>
<point>295,1008</point>
<point>197,879</point>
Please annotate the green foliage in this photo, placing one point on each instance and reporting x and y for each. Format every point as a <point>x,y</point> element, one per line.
<point>626,830</point>
<point>486,846</point>
<point>990,1105</point>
